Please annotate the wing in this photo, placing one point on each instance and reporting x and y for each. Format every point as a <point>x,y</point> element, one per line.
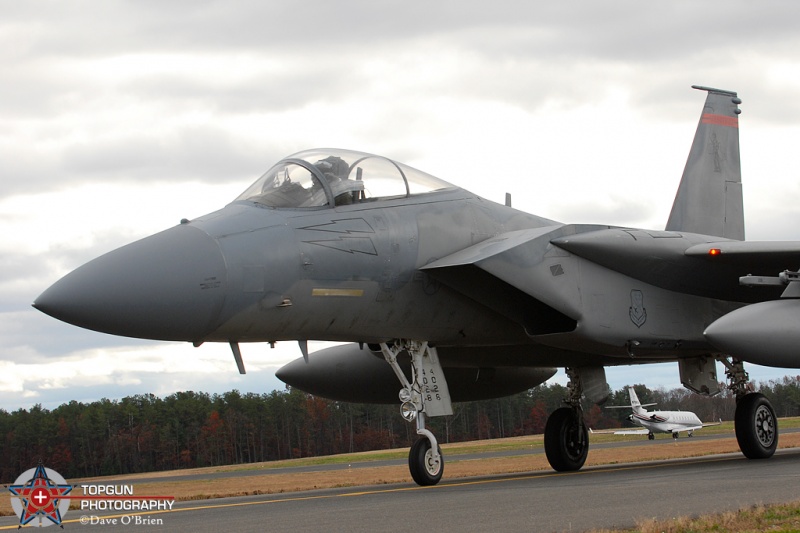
<point>706,424</point>
<point>517,273</point>
<point>620,431</point>
<point>687,428</point>
<point>513,274</point>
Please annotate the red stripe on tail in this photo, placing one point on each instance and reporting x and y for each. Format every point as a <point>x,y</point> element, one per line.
<point>720,120</point>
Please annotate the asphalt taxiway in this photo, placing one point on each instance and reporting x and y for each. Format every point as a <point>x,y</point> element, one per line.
<point>595,497</point>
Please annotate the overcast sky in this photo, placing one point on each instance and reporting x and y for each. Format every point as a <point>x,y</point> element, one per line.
<point>117,119</point>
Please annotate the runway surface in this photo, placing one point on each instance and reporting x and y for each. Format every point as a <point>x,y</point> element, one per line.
<point>662,440</point>
<point>608,496</point>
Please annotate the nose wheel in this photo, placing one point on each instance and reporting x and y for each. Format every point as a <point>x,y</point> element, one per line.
<point>425,466</point>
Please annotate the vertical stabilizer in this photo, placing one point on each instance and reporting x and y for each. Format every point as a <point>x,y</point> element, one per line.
<point>635,404</point>
<point>709,198</point>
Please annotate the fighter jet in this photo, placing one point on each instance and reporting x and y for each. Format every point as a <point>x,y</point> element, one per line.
<point>672,422</point>
<point>440,295</point>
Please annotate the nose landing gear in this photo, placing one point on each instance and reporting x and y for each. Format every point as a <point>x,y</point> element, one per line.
<point>426,394</point>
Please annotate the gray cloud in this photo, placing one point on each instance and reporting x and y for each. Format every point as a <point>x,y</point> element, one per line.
<point>631,31</point>
<point>188,154</point>
<point>71,112</point>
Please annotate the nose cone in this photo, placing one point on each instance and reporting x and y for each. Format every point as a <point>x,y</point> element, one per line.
<point>169,286</point>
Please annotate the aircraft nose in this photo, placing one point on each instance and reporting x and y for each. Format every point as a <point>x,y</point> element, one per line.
<point>169,286</point>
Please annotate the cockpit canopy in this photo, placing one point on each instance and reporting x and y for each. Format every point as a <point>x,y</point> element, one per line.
<point>327,177</point>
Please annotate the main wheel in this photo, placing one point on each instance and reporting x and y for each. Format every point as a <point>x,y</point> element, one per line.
<point>425,470</point>
<point>566,441</point>
<point>756,426</point>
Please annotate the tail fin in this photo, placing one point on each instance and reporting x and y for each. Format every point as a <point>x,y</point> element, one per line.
<point>709,198</point>
<point>635,404</point>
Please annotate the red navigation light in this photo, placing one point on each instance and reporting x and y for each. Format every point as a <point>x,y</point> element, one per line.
<point>714,251</point>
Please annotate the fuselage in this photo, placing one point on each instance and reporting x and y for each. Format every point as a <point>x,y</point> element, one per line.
<point>349,247</point>
<point>666,421</point>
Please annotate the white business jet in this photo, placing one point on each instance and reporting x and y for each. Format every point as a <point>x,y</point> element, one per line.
<point>657,421</point>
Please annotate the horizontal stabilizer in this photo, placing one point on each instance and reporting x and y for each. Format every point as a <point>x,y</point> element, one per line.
<point>626,406</point>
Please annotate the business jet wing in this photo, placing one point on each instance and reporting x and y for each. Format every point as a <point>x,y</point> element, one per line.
<point>620,431</point>
<point>707,424</point>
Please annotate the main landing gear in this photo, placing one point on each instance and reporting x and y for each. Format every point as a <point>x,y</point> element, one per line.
<point>566,440</point>
<point>426,394</point>
<point>755,421</point>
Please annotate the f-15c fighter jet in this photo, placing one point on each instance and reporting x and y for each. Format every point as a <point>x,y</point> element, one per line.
<point>446,296</point>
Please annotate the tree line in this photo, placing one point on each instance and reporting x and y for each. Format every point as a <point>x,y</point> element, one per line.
<point>145,433</point>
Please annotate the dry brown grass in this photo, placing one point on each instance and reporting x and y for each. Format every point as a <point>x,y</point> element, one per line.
<point>778,517</point>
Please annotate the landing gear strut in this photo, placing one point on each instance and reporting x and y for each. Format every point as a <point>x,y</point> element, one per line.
<point>566,440</point>
<point>755,421</point>
<point>426,394</point>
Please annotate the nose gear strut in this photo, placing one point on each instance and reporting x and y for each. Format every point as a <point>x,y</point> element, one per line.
<point>425,394</point>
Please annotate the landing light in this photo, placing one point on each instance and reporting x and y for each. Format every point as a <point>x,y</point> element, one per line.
<point>408,411</point>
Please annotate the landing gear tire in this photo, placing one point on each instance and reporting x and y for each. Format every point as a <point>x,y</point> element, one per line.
<point>756,426</point>
<point>566,440</point>
<point>425,470</point>
<point>650,436</point>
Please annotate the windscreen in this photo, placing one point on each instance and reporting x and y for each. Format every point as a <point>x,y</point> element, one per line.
<point>320,178</point>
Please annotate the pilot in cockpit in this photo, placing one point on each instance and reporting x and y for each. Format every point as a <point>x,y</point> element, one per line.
<point>336,170</point>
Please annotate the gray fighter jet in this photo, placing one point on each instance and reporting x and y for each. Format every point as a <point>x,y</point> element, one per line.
<point>447,296</point>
